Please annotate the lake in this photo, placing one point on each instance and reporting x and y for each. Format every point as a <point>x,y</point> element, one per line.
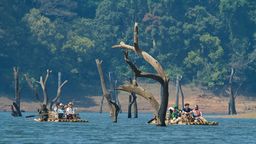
<point>100,129</point>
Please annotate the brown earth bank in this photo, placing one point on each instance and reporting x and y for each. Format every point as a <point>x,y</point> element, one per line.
<point>208,102</point>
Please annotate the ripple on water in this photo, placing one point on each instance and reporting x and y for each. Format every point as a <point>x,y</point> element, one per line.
<point>100,129</point>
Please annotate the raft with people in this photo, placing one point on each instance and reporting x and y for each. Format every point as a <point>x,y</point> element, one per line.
<point>60,113</point>
<point>186,116</point>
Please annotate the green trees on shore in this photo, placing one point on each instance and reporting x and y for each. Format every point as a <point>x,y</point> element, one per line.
<point>201,40</point>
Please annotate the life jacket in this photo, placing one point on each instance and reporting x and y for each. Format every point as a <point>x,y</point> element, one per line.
<point>197,113</point>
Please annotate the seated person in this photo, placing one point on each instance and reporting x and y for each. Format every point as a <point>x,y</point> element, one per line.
<point>61,111</point>
<point>170,112</point>
<point>187,114</point>
<point>43,113</point>
<point>174,111</point>
<point>187,110</point>
<point>55,109</point>
<point>197,114</point>
<point>70,111</point>
<point>176,115</point>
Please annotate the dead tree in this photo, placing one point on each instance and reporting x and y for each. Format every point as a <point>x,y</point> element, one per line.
<point>42,83</point>
<point>160,76</point>
<point>101,103</point>
<point>59,90</point>
<point>132,102</point>
<point>16,105</point>
<point>231,103</point>
<point>182,96</point>
<point>117,97</point>
<point>113,107</point>
<point>178,92</point>
<point>135,107</point>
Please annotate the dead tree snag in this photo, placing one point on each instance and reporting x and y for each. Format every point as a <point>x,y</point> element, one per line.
<point>16,104</point>
<point>160,76</point>
<point>114,109</point>
<point>232,102</point>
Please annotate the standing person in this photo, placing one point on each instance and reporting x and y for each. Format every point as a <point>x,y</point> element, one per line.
<point>197,114</point>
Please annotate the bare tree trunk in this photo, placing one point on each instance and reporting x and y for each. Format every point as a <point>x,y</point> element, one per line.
<point>16,104</point>
<point>177,91</point>
<point>59,83</point>
<point>114,109</point>
<point>117,97</point>
<point>182,96</point>
<point>59,90</point>
<point>160,77</point>
<point>111,87</point>
<point>130,107</point>
<point>42,83</point>
<point>231,104</point>
<point>135,107</point>
<point>101,103</point>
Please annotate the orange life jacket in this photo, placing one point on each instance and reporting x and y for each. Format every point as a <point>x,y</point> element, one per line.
<point>197,113</point>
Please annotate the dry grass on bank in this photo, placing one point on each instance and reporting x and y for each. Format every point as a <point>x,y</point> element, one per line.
<point>208,102</point>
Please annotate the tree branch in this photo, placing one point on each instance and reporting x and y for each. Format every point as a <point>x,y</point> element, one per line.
<point>142,92</point>
<point>148,58</point>
<point>139,73</point>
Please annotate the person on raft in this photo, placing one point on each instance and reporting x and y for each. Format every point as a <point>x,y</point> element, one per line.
<point>187,110</point>
<point>197,115</point>
<point>70,111</point>
<point>56,107</point>
<point>61,111</point>
<point>174,114</point>
<point>43,113</point>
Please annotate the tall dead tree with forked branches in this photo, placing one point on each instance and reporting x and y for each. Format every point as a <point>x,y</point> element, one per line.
<point>160,76</point>
<point>113,107</point>
<point>43,82</point>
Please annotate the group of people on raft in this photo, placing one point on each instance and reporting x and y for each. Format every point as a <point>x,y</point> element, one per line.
<point>60,111</point>
<point>186,115</point>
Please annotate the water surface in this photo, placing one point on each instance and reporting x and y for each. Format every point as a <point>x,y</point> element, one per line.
<point>100,129</point>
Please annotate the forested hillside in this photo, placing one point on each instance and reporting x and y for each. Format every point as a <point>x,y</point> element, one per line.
<point>198,39</point>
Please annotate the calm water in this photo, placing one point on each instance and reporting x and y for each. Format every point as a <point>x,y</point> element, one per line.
<point>101,130</point>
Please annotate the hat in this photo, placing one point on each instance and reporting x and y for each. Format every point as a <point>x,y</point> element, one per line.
<point>70,103</point>
<point>186,104</point>
<point>171,108</point>
<point>61,104</point>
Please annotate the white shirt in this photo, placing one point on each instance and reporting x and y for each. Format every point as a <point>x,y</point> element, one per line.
<point>70,110</point>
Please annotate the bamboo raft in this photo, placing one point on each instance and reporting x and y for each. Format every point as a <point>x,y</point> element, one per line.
<point>52,117</point>
<point>62,120</point>
<point>184,122</point>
